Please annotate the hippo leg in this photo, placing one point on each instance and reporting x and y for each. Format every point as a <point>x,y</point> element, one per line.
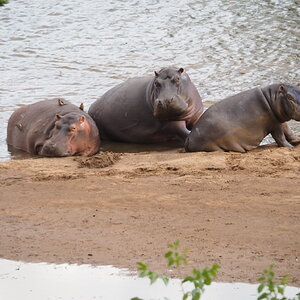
<point>278,134</point>
<point>178,128</point>
<point>290,136</point>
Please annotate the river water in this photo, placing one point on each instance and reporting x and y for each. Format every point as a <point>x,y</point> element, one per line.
<point>80,49</point>
<point>41,281</point>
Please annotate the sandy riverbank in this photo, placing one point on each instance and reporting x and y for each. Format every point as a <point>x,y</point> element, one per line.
<point>238,210</point>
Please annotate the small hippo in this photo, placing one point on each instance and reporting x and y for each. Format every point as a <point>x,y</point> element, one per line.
<point>240,122</point>
<point>149,109</point>
<point>53,128</point>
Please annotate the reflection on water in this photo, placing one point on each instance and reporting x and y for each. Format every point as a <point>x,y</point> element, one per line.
<point>79,49</point>
<point>41,281</point>
<point>19,154</point>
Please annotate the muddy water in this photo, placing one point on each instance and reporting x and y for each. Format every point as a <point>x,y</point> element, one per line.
<point>79,49</point>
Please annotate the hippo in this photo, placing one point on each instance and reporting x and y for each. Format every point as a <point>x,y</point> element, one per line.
<point>240,122</point>
<point>148,110</point>
<point>53,128</point>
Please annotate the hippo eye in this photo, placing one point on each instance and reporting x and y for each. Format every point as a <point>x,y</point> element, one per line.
<point>58,126</point>
<point>176,80</point>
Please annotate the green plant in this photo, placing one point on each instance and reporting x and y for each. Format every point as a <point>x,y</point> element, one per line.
<point>271,290</point>
<point>199,278</point>
<point>2,2</point>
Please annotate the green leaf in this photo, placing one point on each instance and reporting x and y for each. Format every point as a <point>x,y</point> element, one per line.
<point>260,287</point>
<point>171,246</point>
<point>168,254</point>
<point>280,290</point>
<point>207,280</point>
<point>188,278</point>
<point>165,279</point>
<point>271,286</point>
<point>215,268</point>
<point>144,273</point>
<point>153,277</point>
<point>171,261</point>
<point>185,296</point>
<point>136,298</point>
<point>141,266</point>
<point>262,296</point>
<point>197,274</point>
<point>262,278</point>
<point>196,294</point>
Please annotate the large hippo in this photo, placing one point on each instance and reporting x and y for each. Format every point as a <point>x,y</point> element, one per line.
<point>149,109</point>
<point>53,128</point>
<point>240,122</point>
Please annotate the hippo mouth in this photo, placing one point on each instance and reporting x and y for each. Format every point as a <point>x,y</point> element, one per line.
<point>169,109</point>
<point>51,149</point>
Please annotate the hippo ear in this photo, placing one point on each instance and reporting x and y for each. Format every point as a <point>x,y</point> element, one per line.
<point>156,74</point>
<point>82,119</point>
<point>58,116</point>
<point>181,70</point>
<point>81,106</point>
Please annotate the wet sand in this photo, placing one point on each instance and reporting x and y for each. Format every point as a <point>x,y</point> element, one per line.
<point>238,210</point>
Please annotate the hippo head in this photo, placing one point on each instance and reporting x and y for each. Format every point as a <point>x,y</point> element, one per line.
<point>290,94</point>
<point>169,100</point>
<point>70,136</point>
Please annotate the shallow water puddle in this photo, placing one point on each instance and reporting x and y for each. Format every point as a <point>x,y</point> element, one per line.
<point>39,281</point>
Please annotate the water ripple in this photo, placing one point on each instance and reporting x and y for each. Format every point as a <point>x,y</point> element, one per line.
<point>81,49</point>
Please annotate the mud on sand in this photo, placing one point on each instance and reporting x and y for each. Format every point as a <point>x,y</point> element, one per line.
<point>238,210</point>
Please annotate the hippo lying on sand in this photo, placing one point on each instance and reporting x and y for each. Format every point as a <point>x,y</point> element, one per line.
<point>149,109</point>
<point>53,128</point>
<point>239,123</point>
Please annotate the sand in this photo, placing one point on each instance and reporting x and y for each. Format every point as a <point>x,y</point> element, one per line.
<point>238,210</point>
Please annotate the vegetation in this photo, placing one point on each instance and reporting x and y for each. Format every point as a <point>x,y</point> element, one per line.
<point>271,290</point>
<point>268,289</point>
<point>199,278</point>
<point>2,2</point>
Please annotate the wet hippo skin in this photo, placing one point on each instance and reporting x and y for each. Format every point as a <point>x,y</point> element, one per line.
<point>240,122</point>
<point>149,109</point>
<point>53,128</point>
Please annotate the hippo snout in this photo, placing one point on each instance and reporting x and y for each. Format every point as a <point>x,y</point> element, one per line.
<point>53,149</point>
<point>169,108</point>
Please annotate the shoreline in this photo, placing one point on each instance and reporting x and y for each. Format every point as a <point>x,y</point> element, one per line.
<point>238,210</point>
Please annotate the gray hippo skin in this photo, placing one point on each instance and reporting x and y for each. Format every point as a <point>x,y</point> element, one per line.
<point>149,109</point>
<point>53,128</point>
<point>240,122</point>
